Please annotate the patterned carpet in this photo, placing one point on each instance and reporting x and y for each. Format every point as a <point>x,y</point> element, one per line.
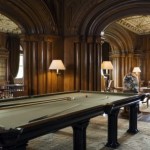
<point>96,137</point>
<point>144,108</point>
<point>145,113</point>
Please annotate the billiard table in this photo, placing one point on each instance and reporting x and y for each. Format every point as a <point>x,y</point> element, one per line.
<point>25,118</point>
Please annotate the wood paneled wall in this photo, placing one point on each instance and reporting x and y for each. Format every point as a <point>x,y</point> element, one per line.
<point>39,51</point>
<point>82,59</point>
<point>123,64</point>
<point>145,46</point>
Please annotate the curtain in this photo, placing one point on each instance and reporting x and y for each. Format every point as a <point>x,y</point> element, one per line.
<point>13,46</point>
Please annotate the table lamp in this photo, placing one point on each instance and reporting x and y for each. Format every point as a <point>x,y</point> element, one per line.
<point>106,65</point>
<point>57,65</point>
<point>136,70</point>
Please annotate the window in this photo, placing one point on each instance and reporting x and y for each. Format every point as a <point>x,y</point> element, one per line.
<point>20,70</point>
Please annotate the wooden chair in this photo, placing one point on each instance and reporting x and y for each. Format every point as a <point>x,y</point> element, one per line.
<point>141,83</point>
<point>147,98</point>
<point>148,84</point>
<point>110,87</point>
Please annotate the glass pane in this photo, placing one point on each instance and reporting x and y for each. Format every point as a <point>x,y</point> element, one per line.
<point>20,71</point>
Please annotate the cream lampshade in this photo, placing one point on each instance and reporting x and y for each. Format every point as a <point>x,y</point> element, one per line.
<point>136,70</point>
<point>107,65</point>
<point>57,65</point>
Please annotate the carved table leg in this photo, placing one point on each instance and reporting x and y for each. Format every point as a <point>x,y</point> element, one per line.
<point>112,129</point>
<point>133,118</point>
<point>18,146</point>
<point>79,135</point>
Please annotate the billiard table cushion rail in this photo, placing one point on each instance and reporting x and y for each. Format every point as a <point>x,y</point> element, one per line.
<point>48,125</point>
<point>109,107</point>
<point>129,100</point>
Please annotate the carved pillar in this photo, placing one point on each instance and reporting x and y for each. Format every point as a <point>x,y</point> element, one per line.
<point>90,63</point>
<point>84,66</point>
<point>98,62</point>
<point>122,67</point>
<point>77,65</point>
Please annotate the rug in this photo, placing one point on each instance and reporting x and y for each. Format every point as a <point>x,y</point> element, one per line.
<point>144,108</point>
<point>96,137</point>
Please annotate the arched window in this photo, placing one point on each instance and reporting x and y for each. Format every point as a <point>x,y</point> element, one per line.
<point>20,70</point>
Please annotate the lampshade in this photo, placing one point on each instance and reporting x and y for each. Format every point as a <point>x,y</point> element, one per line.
<point>136,69</point>
<point>57,65</point>
<point>107,65</point>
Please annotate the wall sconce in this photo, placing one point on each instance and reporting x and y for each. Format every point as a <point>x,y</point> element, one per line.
<point>57,65</point>
<point>106,65</point>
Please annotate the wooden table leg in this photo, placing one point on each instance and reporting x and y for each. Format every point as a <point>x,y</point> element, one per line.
<point>133,118</point>
<point>113,129</point>
<point>79,135</point>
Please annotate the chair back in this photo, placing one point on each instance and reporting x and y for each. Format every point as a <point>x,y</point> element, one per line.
<point>110,87</point>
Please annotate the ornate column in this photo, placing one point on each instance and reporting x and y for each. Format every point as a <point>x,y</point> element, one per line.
<point>98,62</point>
<point>90,64</point>
<point>77,46</point>
<point>84,63</point>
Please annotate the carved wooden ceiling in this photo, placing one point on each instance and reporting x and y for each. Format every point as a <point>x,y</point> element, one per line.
<point>31,16</point>
<point>47,18</point>
<point>8,26</point>
<point>139,24</point>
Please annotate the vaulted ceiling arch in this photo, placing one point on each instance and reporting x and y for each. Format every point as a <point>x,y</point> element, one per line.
<point>77,12</point>
<point>119,38</point>
<point>33,17</point>
<point>101,17</point>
